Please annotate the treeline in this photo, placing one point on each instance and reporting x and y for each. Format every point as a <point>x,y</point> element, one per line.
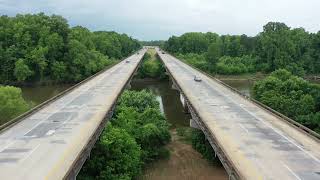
<point>278,46</point>
<point>37,47</point>
<point>135,136</point>
<point>292,96</point>
<point>153,43</point>
<point>151,66</point>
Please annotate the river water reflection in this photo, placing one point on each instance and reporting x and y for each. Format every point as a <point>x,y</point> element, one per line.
<point>168,98</point>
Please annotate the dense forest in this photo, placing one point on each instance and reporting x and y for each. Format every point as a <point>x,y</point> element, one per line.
<point>292,96</point>
<point>135,136</point>
<point>278,46</point>
<point>37,47</point>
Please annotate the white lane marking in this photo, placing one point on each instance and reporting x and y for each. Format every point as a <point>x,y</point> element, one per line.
<point>244,128</point>
<point>290,170</point>
<point>28,155</point>
<point>267,124</point>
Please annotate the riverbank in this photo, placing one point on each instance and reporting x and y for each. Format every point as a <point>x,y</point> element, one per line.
<point>184,163</point>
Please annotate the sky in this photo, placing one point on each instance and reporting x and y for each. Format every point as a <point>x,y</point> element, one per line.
<point>160,19</point>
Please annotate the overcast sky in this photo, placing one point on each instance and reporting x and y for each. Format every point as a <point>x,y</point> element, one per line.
<point>160,19</point>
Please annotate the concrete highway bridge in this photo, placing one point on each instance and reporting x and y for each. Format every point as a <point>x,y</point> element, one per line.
<point>252,142</point>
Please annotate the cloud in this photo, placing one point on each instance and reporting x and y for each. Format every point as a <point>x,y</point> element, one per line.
<point>159,19</point>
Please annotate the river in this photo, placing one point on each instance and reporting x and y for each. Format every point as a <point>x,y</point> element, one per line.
<point>242,85</point>
<point>39,94</point>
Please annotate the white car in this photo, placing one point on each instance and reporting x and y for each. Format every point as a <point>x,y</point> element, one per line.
<point>197,79</point>
<point>127,61</point>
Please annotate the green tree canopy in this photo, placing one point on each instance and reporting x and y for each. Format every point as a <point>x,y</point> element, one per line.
<point>11,103</point>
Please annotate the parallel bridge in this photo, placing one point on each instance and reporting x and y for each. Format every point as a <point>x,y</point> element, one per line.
<point>54,141</point>
<point>251,142</point>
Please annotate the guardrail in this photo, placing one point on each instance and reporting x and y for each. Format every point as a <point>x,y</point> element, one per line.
<point>37,108</point>
<point>281,116</point>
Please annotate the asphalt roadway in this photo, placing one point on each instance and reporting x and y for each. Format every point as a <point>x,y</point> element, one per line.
<point>45,144</point>
<point>258,143</point>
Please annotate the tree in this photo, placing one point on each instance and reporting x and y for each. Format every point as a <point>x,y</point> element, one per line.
<point>11,103</point>
<point>290,95</point>
<point>277,47</point>
<point>141,101</point>
<point>202,145</point>
<point>45,41</point>
<point>59,71</point>
<point>21,70</point>
<point>115,156</point>
<point>137,135</point>
<point>36,59</point>
<point>139,114</point>
<point>213,54</point>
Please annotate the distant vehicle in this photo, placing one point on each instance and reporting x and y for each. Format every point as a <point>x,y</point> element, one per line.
<point>127,61</point>
<point>197,79</point>
<point>163,52</point>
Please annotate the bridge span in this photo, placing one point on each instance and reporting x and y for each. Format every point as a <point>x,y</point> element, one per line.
<point>54,141</point>
<point>251,142</point>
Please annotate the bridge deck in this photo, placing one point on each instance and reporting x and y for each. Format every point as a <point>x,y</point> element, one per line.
<point>258,143</point>
<point>46,144</point>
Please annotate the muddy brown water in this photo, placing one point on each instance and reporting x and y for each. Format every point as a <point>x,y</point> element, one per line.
<point>39,94</point>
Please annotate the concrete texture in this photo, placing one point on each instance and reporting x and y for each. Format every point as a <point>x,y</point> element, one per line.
<point>46,144</point>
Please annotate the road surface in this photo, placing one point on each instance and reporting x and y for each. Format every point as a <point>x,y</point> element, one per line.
<point>45,144</point>
<point>259,144</point>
